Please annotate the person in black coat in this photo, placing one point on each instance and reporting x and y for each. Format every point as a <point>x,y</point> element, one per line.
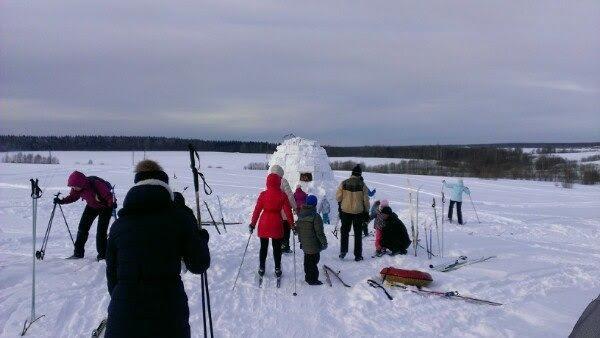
<point>394,235</point>
<point>146,245</point>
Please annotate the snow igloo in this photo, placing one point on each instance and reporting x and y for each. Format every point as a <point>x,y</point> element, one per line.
<point>305,163</point>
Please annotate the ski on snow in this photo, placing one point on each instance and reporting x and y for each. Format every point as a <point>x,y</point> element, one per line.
<point>98,332</point>
<point>261,278</point>
<point>336,274</point>
<point>462,261</point>
<point>448,294</point>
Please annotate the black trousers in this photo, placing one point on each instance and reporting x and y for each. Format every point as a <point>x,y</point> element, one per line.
<point>286,235</point>
<point>264,248</point>
<point>365,229</point>
<point>458,211</point>
<point>85,223</point>
<point>356,223</point>
<point>311,270</point>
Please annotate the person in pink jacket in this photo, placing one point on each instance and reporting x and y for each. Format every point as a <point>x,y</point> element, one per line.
<point>300,198</point>
<point>100,201</point>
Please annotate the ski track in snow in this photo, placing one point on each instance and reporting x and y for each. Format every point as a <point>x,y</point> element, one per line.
<point>547,240</point>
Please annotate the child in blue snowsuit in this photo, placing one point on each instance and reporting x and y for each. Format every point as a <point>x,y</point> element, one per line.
<point>324,210</point>
<point>456,191</point>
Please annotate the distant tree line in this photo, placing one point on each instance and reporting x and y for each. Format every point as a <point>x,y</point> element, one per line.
<point>116,143</point>
<point>29,158</point>
<point>544,168</point>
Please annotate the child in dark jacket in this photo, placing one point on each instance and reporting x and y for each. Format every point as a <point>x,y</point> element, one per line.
<point>312,237</point>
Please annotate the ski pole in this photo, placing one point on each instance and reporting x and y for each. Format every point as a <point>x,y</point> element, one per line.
<point>203,276</point>
<point>473,204</point>
<point>221,212</point>
<point>212,218</point>
<point>437,231</point>
<point>442,216</point>
<point>294,240</point>
<point>243,257</point>
<point>36,193</point>
<point>67,224</point>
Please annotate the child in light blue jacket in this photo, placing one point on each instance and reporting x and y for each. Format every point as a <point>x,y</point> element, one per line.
<point>324,209</point>
<point>456,191</point>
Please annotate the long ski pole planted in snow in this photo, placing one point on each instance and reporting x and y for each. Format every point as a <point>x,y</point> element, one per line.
<point>437,231</point>
<point>221,212</point>
<point>443,203</point>
<point>242,262</point>
<point>36,193</point>
<point>203,277</point>
<point>295,286</point>
<point>473,204</point>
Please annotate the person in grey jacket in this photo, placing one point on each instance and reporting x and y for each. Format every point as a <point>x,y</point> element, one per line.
<point>312,237</point>
<point>285,187</point>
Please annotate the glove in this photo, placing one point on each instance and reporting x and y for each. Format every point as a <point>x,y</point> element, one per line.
<point>323,247</point>
<point>57,200</point>
<point>251,228</point>
<point>443,181</point>
<point>365,216</point>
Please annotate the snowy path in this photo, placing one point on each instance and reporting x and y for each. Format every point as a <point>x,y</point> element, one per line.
<point>547,240</point>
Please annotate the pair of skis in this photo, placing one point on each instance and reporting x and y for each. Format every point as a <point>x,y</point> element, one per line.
<point>277,281</point>
<point>458,263</point>
<point>327,270</point>
<point>447,294</point>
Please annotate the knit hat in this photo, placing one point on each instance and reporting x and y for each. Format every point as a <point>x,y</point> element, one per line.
<point>148,169</point>
<point>387,211</point>
<point>384,203</point>
<point>357,170</point>
<point>311,200</point>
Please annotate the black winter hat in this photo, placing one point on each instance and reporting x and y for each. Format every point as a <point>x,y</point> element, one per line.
<point>387,211</point>
<point>357,170</point>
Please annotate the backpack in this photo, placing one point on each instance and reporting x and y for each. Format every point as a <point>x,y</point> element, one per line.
<point>110,187</point>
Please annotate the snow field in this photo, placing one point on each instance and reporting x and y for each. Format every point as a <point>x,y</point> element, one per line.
<point>547,240</point>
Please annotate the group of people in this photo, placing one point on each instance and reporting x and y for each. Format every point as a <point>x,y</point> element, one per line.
<point>148,297</point>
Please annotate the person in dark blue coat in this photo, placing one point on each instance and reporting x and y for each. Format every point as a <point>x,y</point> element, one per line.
<point>154,233</point>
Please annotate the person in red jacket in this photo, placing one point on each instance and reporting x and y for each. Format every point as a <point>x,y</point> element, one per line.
<point>96,192</point>
<point>268,207</point>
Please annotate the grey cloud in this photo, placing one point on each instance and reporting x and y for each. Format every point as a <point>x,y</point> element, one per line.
<point>344,73</point>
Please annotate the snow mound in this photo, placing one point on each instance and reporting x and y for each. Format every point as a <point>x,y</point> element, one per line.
<point>302,157</point>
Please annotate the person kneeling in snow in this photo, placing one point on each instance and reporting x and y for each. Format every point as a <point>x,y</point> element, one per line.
<point>378,224</point>
<point>312,237</point>
<point>394,236</point>
<point>100,203</point>
<point>268,207</point>
<point>154,233</point>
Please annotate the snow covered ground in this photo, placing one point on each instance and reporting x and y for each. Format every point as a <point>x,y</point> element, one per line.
<point>547,240</point>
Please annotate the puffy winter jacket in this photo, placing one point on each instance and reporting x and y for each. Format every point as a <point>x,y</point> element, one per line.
<point>268,207</point>
<point>143,261</point>
<point>285,185</point>
<point>394,235</point>
<point>353,196</point>
<point>94,192</point>
<point>310,230</point>
<point>456,190</point>
<point>300,197</point>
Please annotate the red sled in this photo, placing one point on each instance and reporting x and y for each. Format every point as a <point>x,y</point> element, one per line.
<point>407,277</point>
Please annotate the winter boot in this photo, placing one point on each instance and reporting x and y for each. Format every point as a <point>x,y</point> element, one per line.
<point>342,255</point>
<point>278,272</point>
<point>74,257</point>
<point>379,253</point>
<point>315,282</point>
<point>261,272</point>
<point>358,259</point>
<point>100,258</point>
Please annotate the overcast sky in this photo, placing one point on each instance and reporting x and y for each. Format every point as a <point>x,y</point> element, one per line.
<point>343,72</point>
